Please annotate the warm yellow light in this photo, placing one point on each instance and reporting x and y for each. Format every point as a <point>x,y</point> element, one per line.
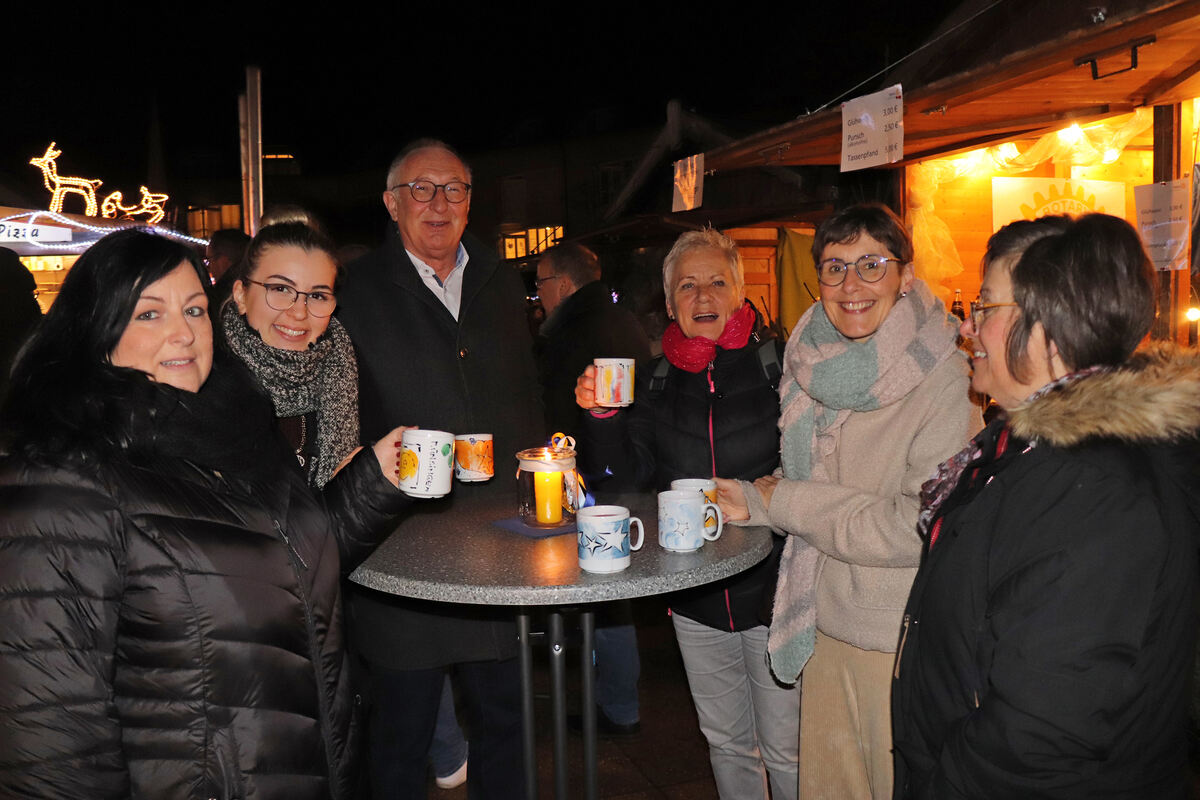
<point>968,162</point>
<point>151,207</point>
<point>62,185</point>
<point>1111,154</point>
<point>548,497</point>
<point>1193,314</point>
<point>1072,134</point>
<point>1009,150</point>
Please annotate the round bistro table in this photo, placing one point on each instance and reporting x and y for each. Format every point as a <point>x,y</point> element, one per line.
<point>460,556</point>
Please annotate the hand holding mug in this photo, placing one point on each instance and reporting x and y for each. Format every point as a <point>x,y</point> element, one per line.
<point>387,453</point>
<point>732,500</point>
<point>585,389</point>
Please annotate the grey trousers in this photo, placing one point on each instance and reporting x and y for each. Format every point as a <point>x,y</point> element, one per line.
<point>751,722</point>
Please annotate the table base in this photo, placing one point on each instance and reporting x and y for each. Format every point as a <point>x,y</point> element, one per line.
<point>556,645</point>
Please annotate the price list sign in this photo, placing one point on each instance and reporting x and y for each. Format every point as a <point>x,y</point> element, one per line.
<point>1163,218</point>
<point>873,129</point>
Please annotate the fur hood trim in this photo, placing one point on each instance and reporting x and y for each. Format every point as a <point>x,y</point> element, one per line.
<point>1152,397</point>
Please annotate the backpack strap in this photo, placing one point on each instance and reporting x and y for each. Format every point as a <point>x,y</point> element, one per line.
<point>768,359</point>
<point>658,375</point>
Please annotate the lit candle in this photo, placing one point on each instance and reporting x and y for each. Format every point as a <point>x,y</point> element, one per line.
<point>547,496</point>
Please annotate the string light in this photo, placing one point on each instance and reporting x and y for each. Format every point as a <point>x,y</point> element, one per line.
<point>31,217</point>
<point>152,207</point>
<point>64,185</point>
<point>60,186</point>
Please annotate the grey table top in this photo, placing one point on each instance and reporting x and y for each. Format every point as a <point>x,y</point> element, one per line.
<point>459,556</point>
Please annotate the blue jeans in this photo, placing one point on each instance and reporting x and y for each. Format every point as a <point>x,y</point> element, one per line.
<point>618,667</point>
<point>449,748</point>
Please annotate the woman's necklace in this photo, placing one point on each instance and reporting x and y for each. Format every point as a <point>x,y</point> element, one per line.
<point>303,438</point>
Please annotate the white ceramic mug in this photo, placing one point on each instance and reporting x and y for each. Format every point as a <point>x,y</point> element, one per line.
<point>604,541</point>
<point>474,459</point>
<point>681,515</point>
<point>614,382</point>
<point>426,463</point>
<point>706,487</point>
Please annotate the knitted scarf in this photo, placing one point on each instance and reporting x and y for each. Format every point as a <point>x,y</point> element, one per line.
<point>695,353</point>
<point>323,378</point>
<point>826,379</point>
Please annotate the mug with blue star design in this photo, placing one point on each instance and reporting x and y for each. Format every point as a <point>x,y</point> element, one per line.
<point>681,520</point>
<point>604,541</point>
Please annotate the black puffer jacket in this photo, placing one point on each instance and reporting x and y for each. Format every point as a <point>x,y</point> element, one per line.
<point>664,435</point>
<point>169,630</point>
<point>1049,632</point>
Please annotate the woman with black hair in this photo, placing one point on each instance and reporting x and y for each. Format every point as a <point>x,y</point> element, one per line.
<point>169,588</point>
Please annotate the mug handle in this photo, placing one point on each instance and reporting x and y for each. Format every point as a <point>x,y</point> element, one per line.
<point>720,523</point>
<point>641,534</point>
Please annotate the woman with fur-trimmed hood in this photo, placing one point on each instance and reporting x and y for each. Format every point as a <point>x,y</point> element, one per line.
<point>1048,638</point>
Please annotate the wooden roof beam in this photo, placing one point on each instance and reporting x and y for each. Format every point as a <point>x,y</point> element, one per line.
<point>1167,91</point>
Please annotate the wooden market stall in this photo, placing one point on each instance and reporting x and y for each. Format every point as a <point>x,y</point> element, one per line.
<point>1024,108</point>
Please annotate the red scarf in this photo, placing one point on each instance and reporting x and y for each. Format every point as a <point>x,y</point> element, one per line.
<point>695,353</point>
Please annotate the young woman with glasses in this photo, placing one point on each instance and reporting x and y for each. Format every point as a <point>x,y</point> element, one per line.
<point>278,321</point>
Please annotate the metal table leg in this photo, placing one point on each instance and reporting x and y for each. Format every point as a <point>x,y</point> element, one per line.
<point>587,622</point>
<point>525,659</point>
<point>558,690</point>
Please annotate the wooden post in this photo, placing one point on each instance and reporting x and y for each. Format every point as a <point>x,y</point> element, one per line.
<point>1167,125</point>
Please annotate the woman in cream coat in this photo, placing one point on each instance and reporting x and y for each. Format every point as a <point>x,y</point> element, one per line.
<point>873,398</point>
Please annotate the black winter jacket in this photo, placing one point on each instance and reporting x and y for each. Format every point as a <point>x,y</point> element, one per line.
<point>417,365</point>
<point>664,435</point>
<point>172,631</point>
<point>587,326</point>
<point>1049,635</point>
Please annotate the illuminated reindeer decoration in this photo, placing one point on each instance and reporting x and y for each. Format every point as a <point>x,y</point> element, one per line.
<point>63,186</point>
<point>151,206</point>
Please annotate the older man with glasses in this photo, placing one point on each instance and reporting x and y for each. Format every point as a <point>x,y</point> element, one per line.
<point>442,341</point>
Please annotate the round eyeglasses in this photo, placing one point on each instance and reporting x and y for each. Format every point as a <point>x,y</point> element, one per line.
<point>424,191</point>
<point>281,297</point>
<point>979,310</point>
<point>832,271</point>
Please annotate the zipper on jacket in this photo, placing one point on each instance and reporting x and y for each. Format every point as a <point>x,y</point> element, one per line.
<point>712,451</point>
<point>283,535</point>
<point>903,638</point>
<point>712,443</point>
<point>315,654</point>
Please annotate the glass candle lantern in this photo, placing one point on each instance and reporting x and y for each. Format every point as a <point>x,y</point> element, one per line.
<point>547,486</point>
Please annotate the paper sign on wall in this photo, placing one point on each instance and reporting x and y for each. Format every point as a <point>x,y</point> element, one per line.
<point>1163,222</point>
<point>689,183</point>
<point>873,129</point>
<point>1196,219</point>
<point>1030,198</point>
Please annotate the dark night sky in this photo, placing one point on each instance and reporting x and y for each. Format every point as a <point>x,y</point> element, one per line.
<point>344,88</point>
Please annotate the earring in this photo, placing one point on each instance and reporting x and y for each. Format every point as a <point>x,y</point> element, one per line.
<point>902,294</point>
